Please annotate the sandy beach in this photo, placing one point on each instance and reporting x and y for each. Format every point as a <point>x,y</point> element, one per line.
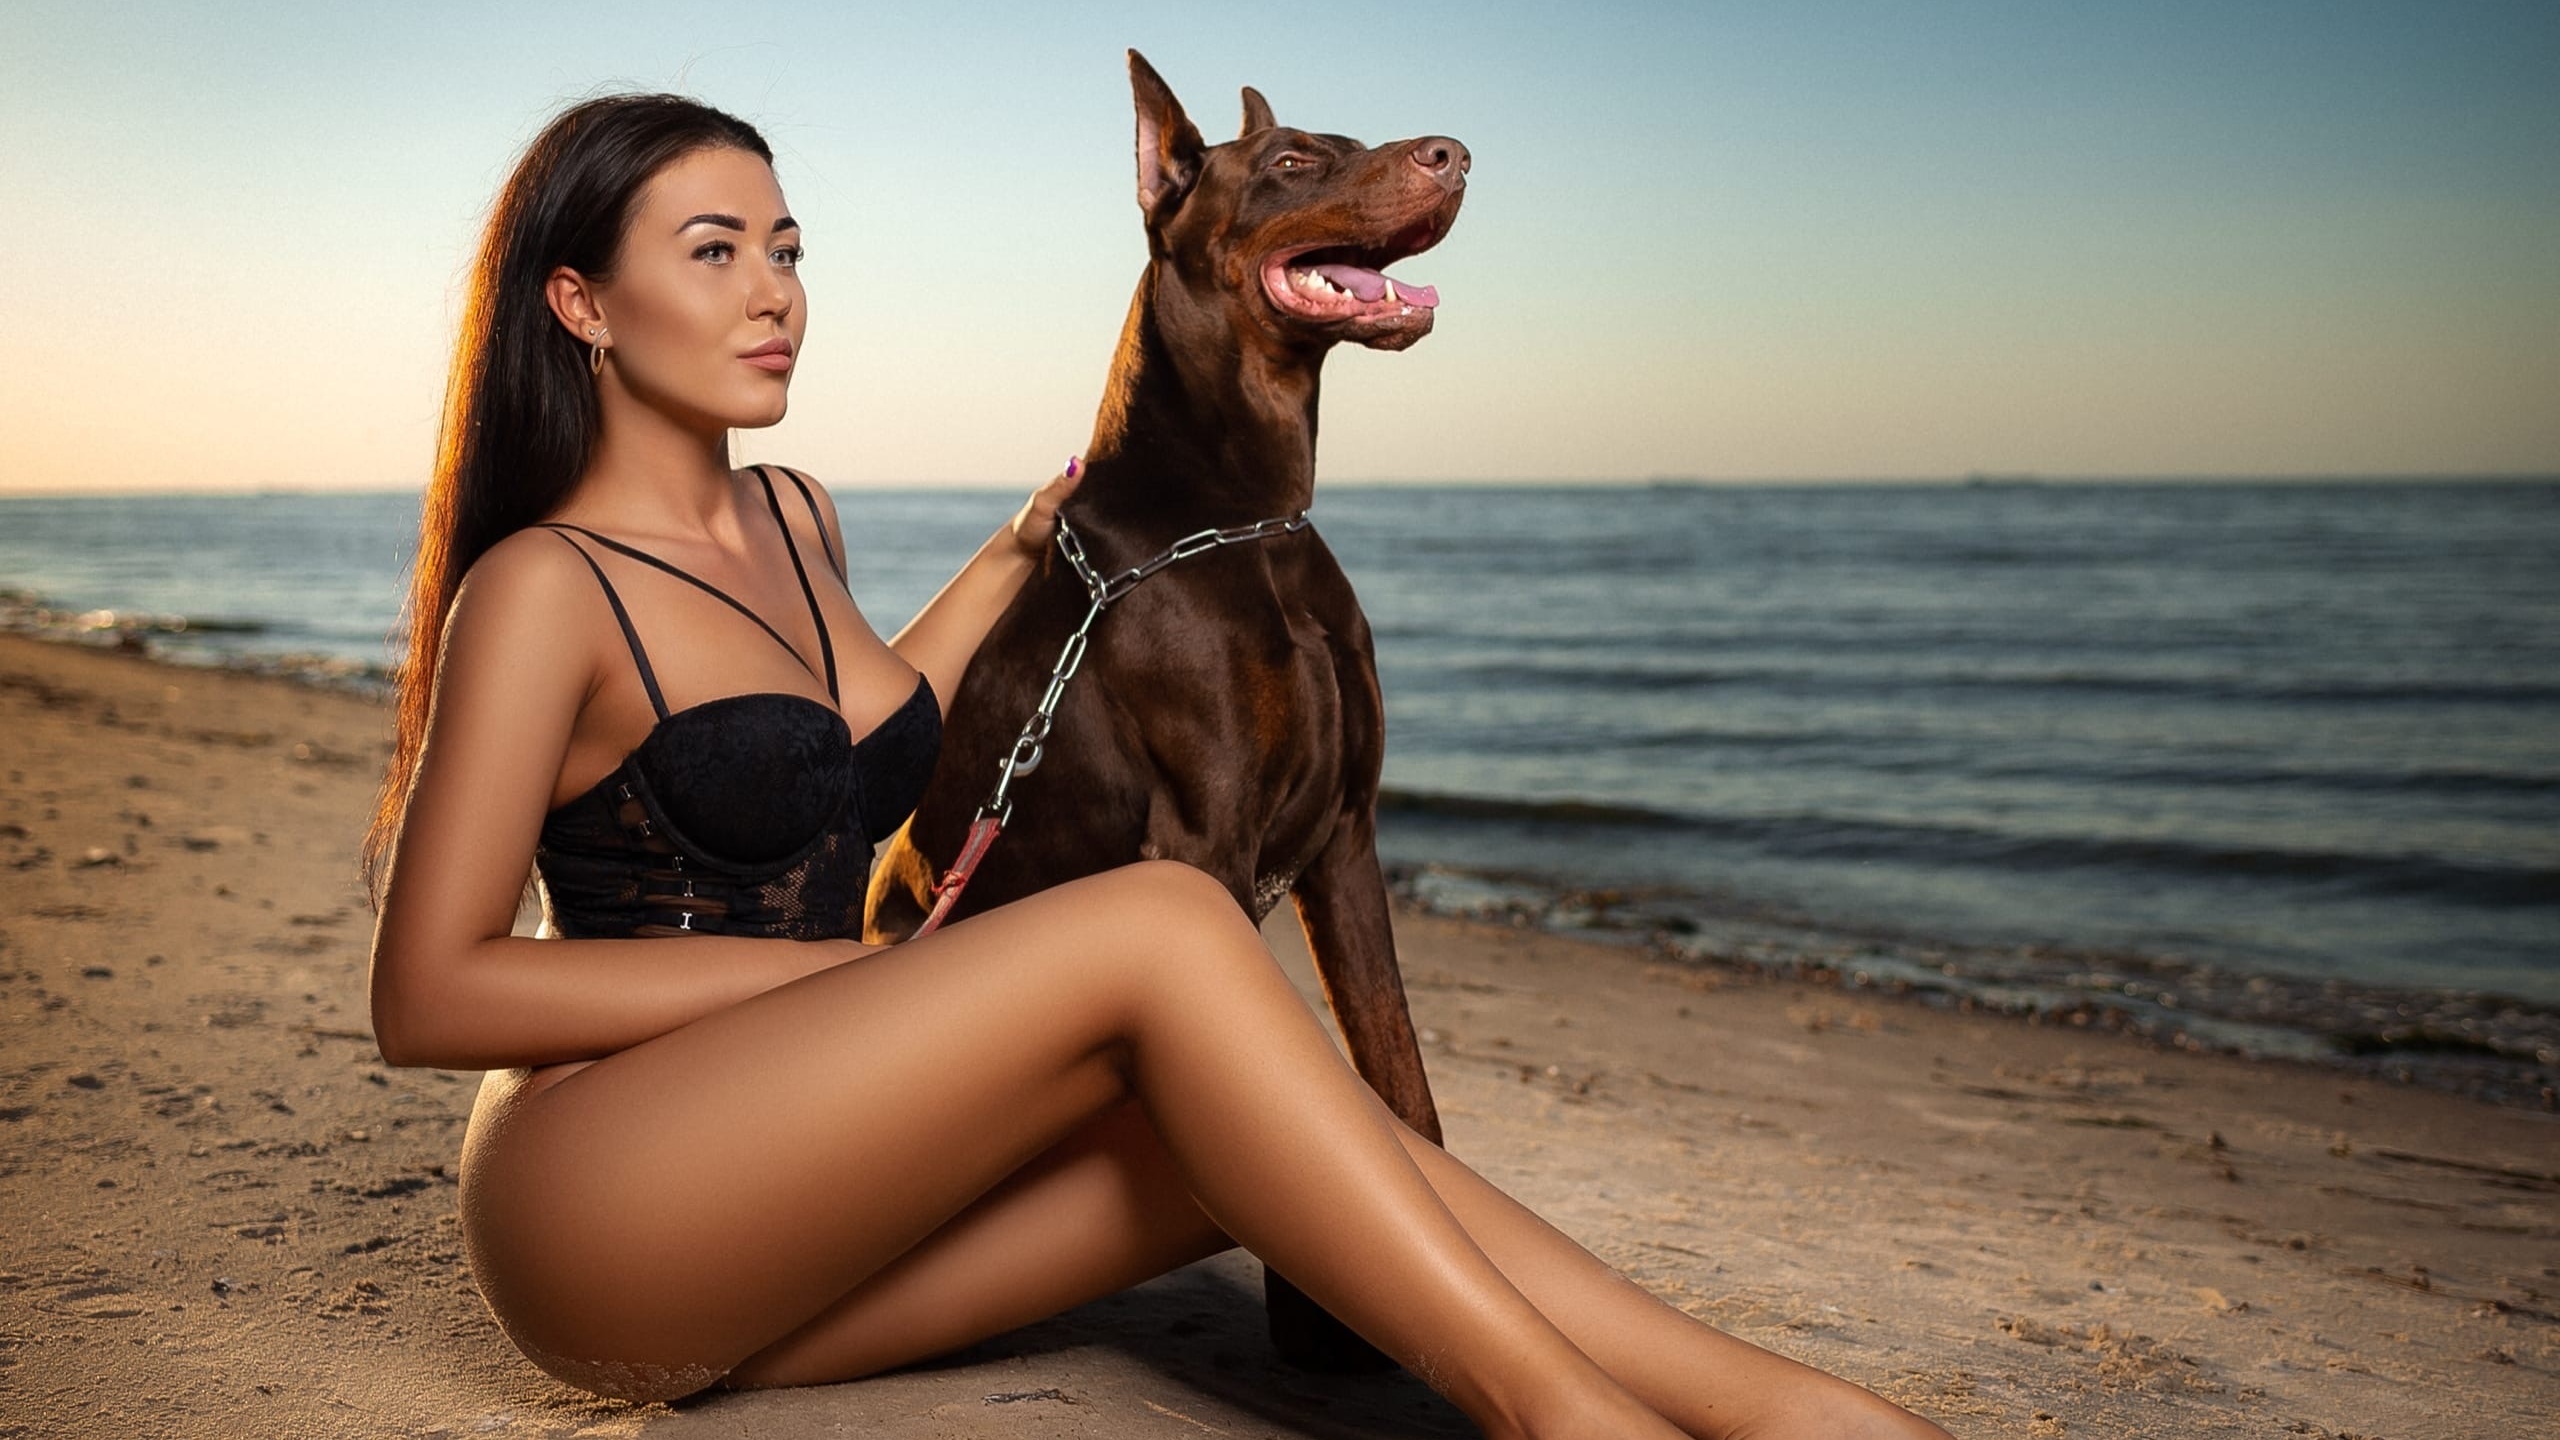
<point>225,1216</point>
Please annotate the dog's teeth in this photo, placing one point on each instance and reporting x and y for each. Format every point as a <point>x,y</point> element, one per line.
<point>1391,290</point>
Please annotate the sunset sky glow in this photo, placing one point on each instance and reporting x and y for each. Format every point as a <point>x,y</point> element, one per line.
<point>1761,241</point>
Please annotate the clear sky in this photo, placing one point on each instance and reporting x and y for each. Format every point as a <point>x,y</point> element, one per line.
<point>1730,241</point>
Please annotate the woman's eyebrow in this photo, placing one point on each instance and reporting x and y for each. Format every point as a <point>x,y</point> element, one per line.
<point>732,222</point>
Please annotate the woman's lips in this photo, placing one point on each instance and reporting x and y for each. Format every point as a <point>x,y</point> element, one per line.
<point>776,362</point>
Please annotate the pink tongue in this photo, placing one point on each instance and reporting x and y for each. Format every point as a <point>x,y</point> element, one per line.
<point>1370,285</point>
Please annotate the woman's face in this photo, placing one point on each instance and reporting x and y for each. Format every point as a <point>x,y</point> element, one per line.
<point>708,271</point>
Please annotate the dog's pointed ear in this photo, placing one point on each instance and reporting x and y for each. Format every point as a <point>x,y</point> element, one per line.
<point>1169,145</point>
<point>1257,113</point>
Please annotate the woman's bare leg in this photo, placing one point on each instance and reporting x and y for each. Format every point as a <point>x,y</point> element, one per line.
<point>688,1200</point>
<point>1707,1382</point>
<point>1100,1211</point>
<point>1108,1209</point>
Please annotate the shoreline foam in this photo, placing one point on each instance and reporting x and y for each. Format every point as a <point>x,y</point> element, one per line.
<point>2489,1047</point>
<point>168,639</point>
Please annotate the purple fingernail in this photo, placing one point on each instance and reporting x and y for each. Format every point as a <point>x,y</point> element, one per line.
<point>1071,467</point>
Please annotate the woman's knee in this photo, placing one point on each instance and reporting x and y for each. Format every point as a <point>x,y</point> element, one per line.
<point>1179,893</point>
<point>1174,924</point>
<point>1187,917</point>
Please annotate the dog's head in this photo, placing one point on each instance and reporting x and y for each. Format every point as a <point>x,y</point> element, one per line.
<point>1289,231</point>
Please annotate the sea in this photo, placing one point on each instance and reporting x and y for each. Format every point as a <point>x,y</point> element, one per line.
<point>2262,767</point>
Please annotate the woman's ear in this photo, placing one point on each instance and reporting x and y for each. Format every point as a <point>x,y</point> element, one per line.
<point>573,302</point>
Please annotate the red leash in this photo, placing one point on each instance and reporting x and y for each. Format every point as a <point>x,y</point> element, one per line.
<point>946,891</point>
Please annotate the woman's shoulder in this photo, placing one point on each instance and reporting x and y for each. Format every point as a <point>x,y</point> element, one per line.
<point>819,501</point>
<point>523,641</point>
<point>522,585</point>
<point>536,562</point>
<point>789,474</point>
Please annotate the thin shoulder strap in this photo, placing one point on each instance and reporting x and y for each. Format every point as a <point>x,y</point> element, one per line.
<point>639,657</point>
<point>823,544</point>
<point>826,645</point>
<point>723,596</point>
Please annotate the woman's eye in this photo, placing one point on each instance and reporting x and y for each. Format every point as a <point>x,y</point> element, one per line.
<point>791,255</point>
<point>722,246</point>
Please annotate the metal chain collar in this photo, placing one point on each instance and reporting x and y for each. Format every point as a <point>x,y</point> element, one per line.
<point>1027,747</point>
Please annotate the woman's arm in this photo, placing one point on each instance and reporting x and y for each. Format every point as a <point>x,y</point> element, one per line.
<point>451,987</point>
<point>948,630</point>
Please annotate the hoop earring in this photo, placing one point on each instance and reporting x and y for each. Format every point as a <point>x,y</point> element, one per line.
<point>595,352</point>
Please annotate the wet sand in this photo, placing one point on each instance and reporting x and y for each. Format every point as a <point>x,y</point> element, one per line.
<point>221,1214</point>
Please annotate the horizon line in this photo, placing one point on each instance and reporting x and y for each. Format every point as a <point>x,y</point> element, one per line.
<point>1979,479</point>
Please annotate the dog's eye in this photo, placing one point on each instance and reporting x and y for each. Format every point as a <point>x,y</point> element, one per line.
<point>1291,160</point>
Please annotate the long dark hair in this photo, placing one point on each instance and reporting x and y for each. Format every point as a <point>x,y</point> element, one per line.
<point>521,417</point>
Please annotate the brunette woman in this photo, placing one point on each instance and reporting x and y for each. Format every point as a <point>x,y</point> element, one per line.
<point>721,1141</point>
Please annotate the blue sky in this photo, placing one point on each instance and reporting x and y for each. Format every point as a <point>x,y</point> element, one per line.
<point>1727,241</point>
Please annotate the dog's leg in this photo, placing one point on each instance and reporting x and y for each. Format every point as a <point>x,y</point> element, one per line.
<point>1342,906</point>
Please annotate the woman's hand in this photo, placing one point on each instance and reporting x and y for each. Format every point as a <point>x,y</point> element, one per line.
<point>1036,523</point>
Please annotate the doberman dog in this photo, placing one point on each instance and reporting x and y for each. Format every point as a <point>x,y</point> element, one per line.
<point>1226,711</point>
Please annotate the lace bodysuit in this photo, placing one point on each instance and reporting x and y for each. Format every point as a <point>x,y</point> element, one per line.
<point>750,814</point>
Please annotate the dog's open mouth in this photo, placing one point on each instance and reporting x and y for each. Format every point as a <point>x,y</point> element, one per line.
<point>1339,283</point>
<point>1324,288</point>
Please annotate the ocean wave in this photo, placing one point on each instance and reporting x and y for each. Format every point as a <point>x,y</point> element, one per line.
<point>24,610</point>
<point>2389,782</point>
<point>1863,750</point>
<point>167,638</point>
<point>1831,837</point>
<point>1427,678</point>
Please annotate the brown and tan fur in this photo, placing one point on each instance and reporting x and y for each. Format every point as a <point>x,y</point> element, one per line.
<point>1227,711</point>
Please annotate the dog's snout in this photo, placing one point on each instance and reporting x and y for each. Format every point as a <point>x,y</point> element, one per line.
<point>1444,159</point>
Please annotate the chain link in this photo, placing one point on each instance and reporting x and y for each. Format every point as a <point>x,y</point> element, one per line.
<point>1028,750</point>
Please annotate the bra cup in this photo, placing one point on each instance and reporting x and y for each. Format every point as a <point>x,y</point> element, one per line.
<point>749,780</point>
<point>897,762</point>
<point>752,814</point>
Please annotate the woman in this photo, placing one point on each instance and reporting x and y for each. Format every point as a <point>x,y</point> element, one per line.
<point>723,1142</point>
